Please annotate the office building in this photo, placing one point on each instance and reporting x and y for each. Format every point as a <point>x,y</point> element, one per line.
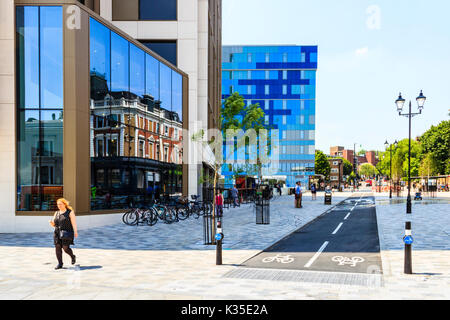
<point>282,80</point>
<point>91,114</point>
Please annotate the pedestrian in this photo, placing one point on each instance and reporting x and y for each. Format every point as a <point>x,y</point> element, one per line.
<point>235,196</point>
<point>298,195</point>
<point>279,189</point>
<point>313,191</point>
<point>65,225</point>
<point>219,203</point>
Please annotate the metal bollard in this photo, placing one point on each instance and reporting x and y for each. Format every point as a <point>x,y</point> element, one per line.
<point>219,238</point>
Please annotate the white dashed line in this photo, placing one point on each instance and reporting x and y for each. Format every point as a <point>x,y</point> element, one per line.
<point>347,216</point>
<point>338,227</point>
<point>311,261</point>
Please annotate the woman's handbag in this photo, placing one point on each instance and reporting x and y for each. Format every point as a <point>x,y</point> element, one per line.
<point>65,235</point>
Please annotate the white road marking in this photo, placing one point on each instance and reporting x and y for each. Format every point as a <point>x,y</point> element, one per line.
<point>311,261</point>
<point>347,216</point>
<point>338,227</point>
<point>345,260</point>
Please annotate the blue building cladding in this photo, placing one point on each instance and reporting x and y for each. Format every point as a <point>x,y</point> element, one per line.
<point>282,80</point>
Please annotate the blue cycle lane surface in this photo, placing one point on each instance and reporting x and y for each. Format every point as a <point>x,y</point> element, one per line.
<point>345,239</point>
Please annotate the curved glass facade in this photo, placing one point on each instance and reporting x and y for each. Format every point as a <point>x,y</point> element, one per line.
<point>39,36</point>
<point>136,123</point>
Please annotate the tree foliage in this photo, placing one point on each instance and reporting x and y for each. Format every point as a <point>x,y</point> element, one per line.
<point>322,166</point>
<point>235,115</point>
<point>436,143</point>
<point>367,170</point>
<point>400,160</point>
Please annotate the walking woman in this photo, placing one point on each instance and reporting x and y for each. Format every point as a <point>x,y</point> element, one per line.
<point>219,203</point>
<point>65,226</point>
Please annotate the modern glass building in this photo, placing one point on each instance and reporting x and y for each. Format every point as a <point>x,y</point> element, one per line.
<point>282,80</point>
<point>99,116</point>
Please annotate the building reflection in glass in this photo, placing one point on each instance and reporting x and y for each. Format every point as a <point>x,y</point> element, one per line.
<point>136,123</point>
<point>39,45</point>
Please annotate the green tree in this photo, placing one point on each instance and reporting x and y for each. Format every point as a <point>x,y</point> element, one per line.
<point>400,160</point>
<point>428,167</point>
<point>236,116</point>
<point>322,166</point>
<point>436,142</point>
<point>367,170</point>
<point>348,167</point>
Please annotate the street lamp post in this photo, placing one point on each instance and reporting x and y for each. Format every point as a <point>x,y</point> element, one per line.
<point>354,165</point>
<point>400,103</point>
<point>390,165</point>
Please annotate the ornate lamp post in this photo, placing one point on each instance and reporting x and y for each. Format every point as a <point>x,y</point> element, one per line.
<point>408,239</point>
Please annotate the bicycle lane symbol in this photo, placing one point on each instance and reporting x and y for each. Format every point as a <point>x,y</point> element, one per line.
<point>279,258</point>
<point>347,261</point>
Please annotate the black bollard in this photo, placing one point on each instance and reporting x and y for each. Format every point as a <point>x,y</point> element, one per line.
<point>219,237</point>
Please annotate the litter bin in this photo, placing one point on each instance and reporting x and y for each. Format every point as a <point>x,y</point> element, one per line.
<point>327,199</point>
<point>262,208</point>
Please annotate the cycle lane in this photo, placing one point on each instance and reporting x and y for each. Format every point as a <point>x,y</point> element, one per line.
<point>343,240</point>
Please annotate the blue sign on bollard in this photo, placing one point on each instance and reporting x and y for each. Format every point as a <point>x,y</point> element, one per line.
<point>219,236</point>
<point>408,240</point>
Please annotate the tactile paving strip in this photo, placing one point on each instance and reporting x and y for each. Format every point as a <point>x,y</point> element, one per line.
<point>358,279</point>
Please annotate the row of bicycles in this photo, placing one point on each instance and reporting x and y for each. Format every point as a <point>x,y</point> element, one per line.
<point>168,212</point>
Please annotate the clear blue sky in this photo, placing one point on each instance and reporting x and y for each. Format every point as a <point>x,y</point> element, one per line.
<point>369,51</point>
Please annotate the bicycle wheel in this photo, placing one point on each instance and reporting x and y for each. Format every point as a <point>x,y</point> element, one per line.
<point>152,217</point>
<point>182,213</point>
<point>124,217</point>
<point>170,215</point>
<point>195,211</point>
<point>131,218</point>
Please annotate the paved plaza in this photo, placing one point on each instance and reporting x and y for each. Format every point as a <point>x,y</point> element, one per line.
<point>170,261</point>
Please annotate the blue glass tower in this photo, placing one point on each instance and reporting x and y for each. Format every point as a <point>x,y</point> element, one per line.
<point>282,80</point>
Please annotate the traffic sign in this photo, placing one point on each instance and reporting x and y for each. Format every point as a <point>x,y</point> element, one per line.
<point>219,236</point>
<point>408,239</point>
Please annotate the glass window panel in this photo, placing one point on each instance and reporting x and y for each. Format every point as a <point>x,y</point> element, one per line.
<point>137,71</point>
<point>166,49</point>
<point>119,63</point>
<point>158,10</point>
<point>51,56</point>
<point>152,76</point>
<point>100,60</point>
<point>28,161</point>
<point>296,89</point>
<point>177,94</point>
<point>165,81</point>
<point>303,57</point>
<point>51,158</point>
<point>27,36</point>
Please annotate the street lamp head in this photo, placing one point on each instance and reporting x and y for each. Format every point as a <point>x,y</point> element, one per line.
<point>396,143</point>
<point>386,144</point>
<point>400,102</point>
<point>421,100</point>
